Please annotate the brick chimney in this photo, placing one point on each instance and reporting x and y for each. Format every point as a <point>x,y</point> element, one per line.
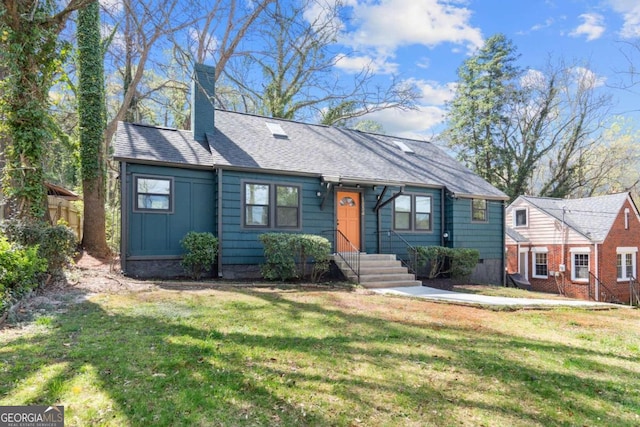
<point>202,109</point>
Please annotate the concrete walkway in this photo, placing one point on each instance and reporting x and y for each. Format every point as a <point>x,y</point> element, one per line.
<point>475,299</point>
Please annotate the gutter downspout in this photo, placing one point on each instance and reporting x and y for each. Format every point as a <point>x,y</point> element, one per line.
<point>220,223</point>
<point>443,220</point>
<point>124,213</point>
<point>564,237</point>
<point>504,244</point>
<point>379,230</point>
<point>597,268</point>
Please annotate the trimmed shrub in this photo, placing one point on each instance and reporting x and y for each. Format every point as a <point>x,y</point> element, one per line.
<point>288,256</point>
<point>56,244</point>
<point>463,261</point>
<point>20,270</point>
<point>458,263</point>
<point>202,249</point>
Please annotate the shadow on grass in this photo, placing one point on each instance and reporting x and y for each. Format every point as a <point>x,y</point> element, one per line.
<point>262,358</point>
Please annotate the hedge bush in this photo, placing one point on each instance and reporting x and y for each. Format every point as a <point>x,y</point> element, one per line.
<point>202,249</point>
<point>56,244</point>
<point>457,262</point>
<point>288,256</point>
<point>20,270</point>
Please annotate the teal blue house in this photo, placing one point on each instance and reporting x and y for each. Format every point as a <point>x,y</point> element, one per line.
<point>239,175</point>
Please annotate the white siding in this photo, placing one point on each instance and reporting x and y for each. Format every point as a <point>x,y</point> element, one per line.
<point>542,229</point>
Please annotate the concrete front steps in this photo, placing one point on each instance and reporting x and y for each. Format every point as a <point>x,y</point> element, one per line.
<point>379,271</point>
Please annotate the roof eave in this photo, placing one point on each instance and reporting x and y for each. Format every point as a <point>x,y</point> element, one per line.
<point>162,163</point>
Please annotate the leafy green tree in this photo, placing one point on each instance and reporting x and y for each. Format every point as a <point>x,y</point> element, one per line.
<point>30,53</point>
<point>526,133</point>
<point>91,120</point>
<point>479,108</point>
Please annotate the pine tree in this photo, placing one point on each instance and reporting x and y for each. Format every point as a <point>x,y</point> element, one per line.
<point>486,88</point>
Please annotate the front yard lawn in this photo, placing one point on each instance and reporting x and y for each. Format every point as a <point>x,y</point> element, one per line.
<point>259,356</point>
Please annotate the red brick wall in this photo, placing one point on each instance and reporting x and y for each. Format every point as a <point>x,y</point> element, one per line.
<point>619,237</point>
<point>607,257</point>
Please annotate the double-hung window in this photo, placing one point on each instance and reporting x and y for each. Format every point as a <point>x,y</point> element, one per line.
<point>271,205</point>
<point>626,263</point>
<point>153,194</point>
<point>580,266</point>
<point>479,210</point>
<point>541,267</point>
<point>257,198</point>
<point>412,212</point>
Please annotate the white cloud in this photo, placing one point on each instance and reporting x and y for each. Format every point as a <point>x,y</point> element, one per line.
<point>389,24</point>
<point>630,11</point>
<point>434,93</point>
<point>356,64</point>
<point>592,26</point>
<point>533,79</point>
<point>415,124</point>
<point>587,79</point>
<point>423,122</point>
<point>547,23</point>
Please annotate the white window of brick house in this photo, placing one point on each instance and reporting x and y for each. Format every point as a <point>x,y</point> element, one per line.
<point>520,217</point>
<point>541,264</point>
<point>626,263</point>
<point>580,264</point>
<point>626,218</point>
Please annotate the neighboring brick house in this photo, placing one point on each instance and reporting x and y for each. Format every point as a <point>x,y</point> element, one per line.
<point>583,248</point>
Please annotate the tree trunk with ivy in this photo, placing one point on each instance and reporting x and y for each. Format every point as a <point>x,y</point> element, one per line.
<point>91,116</point>
<point>30,54</point>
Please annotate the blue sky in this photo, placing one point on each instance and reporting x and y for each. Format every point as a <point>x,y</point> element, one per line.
<point>426,40</point>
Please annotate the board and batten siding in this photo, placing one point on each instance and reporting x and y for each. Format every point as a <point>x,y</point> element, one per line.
<point>152,234</point>
<point>485,236</point>
<point>542,228</point>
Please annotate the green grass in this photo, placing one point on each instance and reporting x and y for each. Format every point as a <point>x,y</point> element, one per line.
<point>241,356</point>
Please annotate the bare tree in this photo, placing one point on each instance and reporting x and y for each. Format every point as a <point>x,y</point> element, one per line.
<point>574,128</point>
<point>147,23</point>
<point>293,74</point>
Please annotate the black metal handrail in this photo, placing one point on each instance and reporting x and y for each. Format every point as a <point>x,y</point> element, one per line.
<point>605,294</point>
<point>396,244</point>
<point>634,292</point>
<point>347,251</point>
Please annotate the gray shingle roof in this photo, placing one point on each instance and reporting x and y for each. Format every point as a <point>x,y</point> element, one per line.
<point>515,236</point>
<point>592,217</point>
<point>159,145</point>
<point>244,141</point>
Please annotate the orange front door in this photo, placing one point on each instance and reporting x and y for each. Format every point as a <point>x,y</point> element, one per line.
<point>348,219</point>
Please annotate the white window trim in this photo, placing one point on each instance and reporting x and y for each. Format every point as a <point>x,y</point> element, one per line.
<point>575,251</point>
<point>626,218</point>
<point>524,273</point>
<point>539,251</point>
<point>626,249</point>
<point>584,250</point>
<point>526,223</point>
<point>623,251</point>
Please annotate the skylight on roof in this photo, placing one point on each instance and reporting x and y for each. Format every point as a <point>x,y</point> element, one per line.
<point>276,130</point>
<point>404,147</point>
